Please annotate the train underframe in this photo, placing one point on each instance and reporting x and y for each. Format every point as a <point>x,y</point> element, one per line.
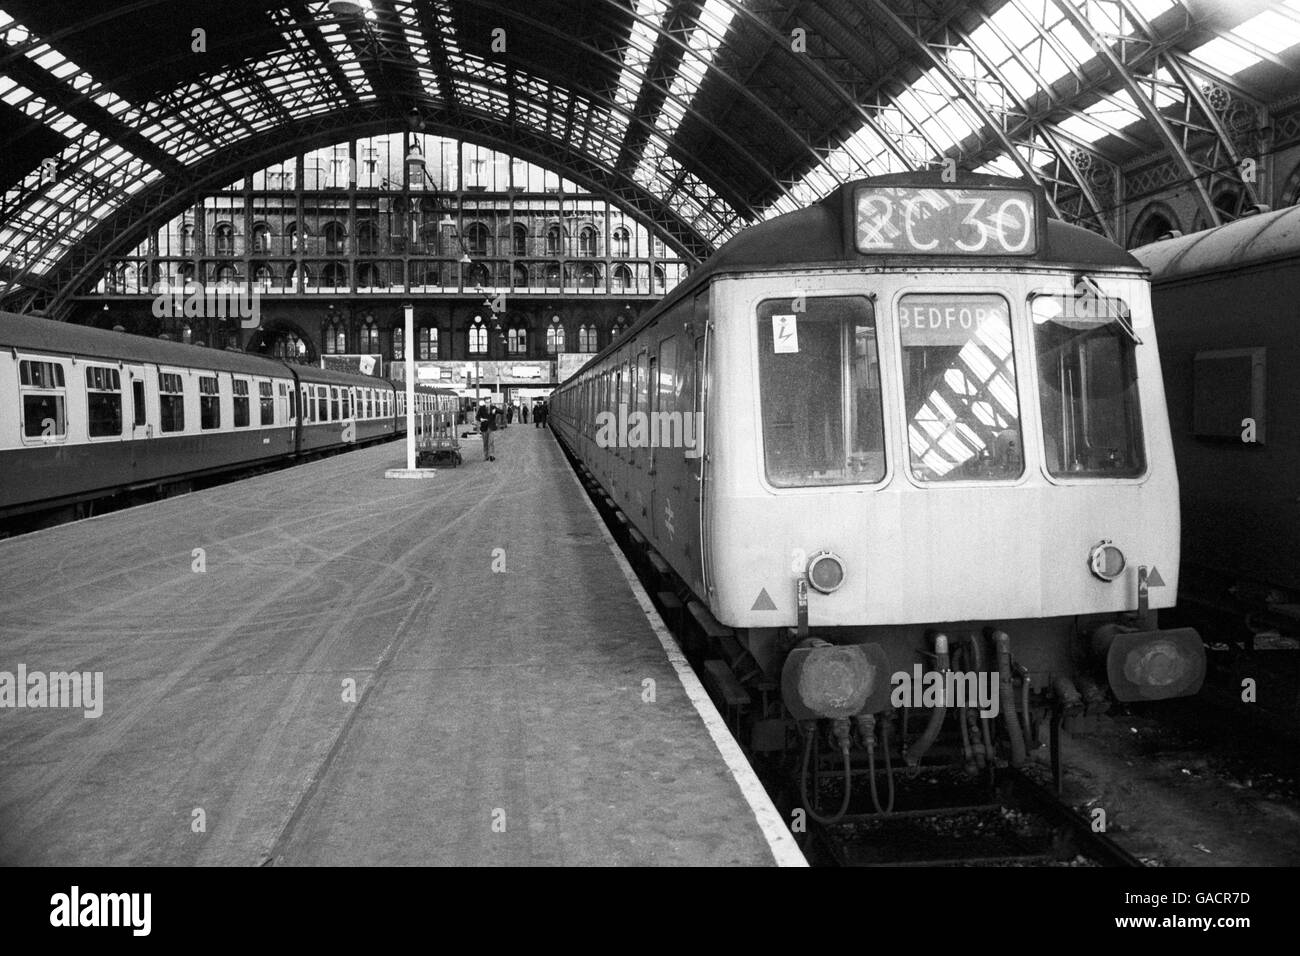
<point>967,695</point>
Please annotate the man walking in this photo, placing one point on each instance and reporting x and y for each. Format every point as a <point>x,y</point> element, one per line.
<point>487,424</point>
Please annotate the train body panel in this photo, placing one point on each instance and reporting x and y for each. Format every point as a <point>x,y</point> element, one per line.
<point>928,551</point>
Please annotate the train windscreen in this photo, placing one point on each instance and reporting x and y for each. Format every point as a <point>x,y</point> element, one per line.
<point>959,386</point>
<point>1087,371</point>
<point>819,384</point>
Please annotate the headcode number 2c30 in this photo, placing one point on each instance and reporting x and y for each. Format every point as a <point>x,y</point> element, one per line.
<point>876,215</point>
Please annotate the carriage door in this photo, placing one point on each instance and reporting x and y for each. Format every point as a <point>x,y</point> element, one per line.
<point>141,426</point>
<point>699,460</point>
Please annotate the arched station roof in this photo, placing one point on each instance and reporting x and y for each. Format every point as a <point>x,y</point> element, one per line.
<point>699,116</point>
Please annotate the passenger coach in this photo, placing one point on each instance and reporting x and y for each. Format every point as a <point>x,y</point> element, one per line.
<point>922,416</point>
<point>86,413</point>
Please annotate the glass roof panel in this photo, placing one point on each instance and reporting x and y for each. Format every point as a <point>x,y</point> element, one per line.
<point>1224,56</point>
<point>1273,31</point>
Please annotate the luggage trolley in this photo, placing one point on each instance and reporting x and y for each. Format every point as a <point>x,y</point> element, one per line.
<point>436,443</point>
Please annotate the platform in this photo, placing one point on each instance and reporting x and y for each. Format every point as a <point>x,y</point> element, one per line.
<point>498,717</point>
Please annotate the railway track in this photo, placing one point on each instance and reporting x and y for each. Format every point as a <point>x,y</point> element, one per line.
<point>958,822</point>
<point>941,816</point>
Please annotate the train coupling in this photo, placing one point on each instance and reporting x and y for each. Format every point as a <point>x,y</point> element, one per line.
<point>834,681</point>
<point>1150,664</point>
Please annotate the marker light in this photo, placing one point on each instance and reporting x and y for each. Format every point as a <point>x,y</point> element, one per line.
<point>825,572</point>
<point>1106,561</point>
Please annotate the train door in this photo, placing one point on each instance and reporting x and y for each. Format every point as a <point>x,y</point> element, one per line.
<point>677,505</point>
<point>650,361</point>
<point>703,345</point>
<point>138,410</point>
<point>663,456</point>
<point>638,444</point>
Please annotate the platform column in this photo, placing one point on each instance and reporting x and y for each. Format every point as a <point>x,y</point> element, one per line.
<point>409,342</point>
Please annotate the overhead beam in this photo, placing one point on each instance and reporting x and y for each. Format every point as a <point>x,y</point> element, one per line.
<point>964,91</point>
<point>1150,113</point>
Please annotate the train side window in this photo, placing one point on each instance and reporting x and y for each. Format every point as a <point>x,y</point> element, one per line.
<point>643,363</point>
<point>322,404</point>
<point>241,403</point>
<point>137,402</point>
<point>959,388</point>
<point>44,400</point>
<point>103,402</point>
<point>819,387</point>
<point>171,402</point>
<point>209,402</point>
<point>266,402</point>
<point>1088,387</point>
<point>334,403</point>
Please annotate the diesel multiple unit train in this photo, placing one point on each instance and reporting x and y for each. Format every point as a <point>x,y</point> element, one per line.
<point>916,428</point>
<point>1225,302</point>
<point>88,413</point>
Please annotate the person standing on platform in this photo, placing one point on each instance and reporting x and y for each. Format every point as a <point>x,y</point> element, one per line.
<point>510,414</point>
<point>523,413</point>
<point>487,425</point>
<point>542,415</point>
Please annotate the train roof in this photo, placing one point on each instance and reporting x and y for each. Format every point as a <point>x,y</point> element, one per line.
<point>1252,241</point>
<point>818,237</point>
<point>36,334</point>
<point>64,338</point>
<point>330,376</point>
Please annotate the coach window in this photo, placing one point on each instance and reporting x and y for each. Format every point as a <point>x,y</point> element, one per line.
<point>242,417</point>
<point>266,402</point>
<point>104,402</point>
<point>334,403</point>
<point>44,400</point>
<point>322,403</point>
<point>171,402</point>
<point>959,386</point>
<point>346,395</point>
<point>209,402</point>
<point>1088,386</point>
<point>137,402</point>
<point>819,384</point>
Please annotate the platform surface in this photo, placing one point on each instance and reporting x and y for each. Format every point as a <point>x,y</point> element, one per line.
<point>498,716</point>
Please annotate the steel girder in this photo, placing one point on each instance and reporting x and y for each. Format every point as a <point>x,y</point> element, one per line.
<point>126,228</point>
<point>966,93</point>
<point>1136,41</point>
<point>177,104</point>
